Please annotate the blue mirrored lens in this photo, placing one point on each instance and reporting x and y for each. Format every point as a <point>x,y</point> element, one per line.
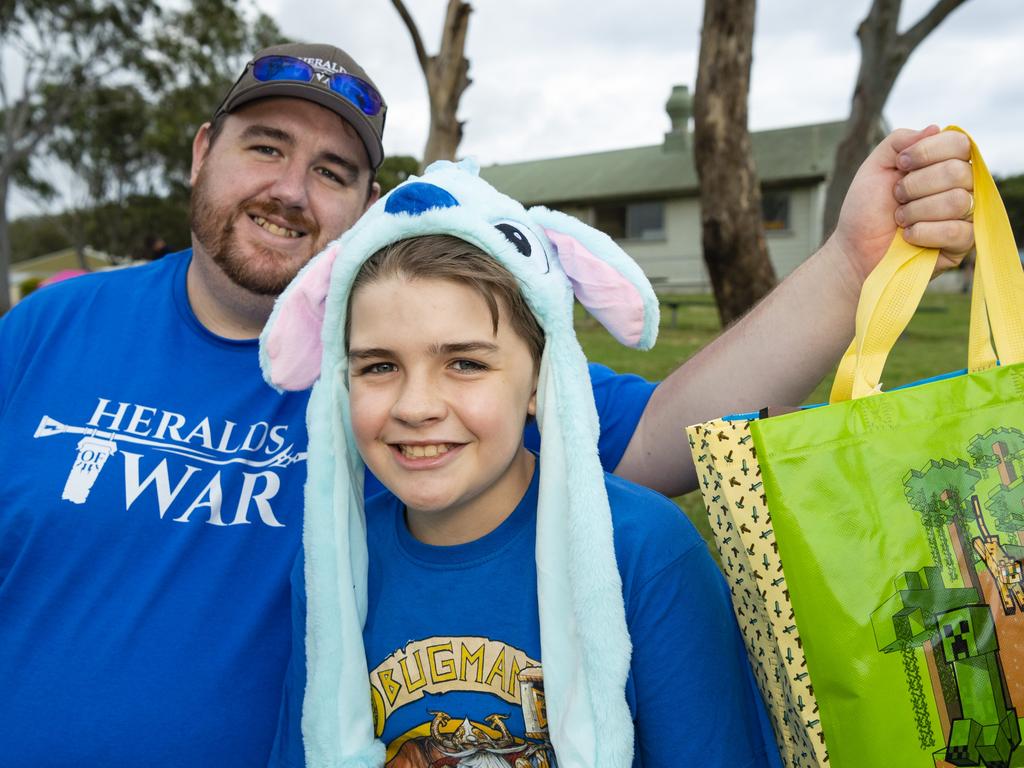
<point>281,68</point>
<point>358,92</point>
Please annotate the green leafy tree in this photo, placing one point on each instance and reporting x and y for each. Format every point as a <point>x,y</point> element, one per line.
<point>197,57</point>
<point>394,170</point>
<point>128,132</point>
<point>56,51</point>
<point>99,142</point>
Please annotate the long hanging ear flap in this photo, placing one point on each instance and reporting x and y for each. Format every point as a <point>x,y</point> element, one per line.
<point>291,346</point>
<point>607,282</point>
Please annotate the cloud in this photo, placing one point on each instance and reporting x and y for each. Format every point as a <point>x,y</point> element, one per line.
<point>569,76</point>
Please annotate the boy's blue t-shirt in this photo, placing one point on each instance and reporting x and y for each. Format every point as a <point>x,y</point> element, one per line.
<point>152,512</point>
<point>453,645</point>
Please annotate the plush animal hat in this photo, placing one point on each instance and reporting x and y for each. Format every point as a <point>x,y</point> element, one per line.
<point>585,644</point>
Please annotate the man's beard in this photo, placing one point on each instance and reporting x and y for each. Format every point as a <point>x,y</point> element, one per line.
<point>257,269</point>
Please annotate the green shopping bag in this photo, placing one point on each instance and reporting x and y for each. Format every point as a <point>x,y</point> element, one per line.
<point>899,521</point>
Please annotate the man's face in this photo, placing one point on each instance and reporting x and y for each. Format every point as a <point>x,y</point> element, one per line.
<point>284,178</point>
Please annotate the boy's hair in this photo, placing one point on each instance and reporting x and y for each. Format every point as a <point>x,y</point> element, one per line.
<point>443,257</point>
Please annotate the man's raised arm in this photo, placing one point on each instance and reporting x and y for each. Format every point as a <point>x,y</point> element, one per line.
<point>782,349</point>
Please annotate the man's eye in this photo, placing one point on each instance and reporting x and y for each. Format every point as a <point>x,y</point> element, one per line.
<point>330,175</point>
<point>265,150</point>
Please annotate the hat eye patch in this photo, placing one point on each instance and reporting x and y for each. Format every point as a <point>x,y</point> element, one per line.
<point>525,241</point>
<point>419,197</point>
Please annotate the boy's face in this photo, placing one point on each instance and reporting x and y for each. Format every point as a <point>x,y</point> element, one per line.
<point>438,402</point>
<point>283,179</point>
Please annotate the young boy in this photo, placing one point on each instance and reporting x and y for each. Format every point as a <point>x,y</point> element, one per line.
<point>491,616</point>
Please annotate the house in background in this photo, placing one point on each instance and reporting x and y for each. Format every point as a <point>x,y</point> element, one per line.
<point>648,200</point>
<point>32,271</point>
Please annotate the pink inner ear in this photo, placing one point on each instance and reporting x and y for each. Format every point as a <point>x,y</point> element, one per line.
<point>293,344</point>
<point>602,289</point>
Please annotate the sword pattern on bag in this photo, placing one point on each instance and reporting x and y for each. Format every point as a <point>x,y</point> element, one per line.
<point>730,482</point>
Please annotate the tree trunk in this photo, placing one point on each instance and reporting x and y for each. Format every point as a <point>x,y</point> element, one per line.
<point>731,219</point>
<point>883,53</point>
<point>5,249</point>
<point>447,75</point>
<point>447,79</point>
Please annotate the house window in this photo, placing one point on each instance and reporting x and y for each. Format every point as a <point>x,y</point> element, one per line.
<point>775,210</point>
<point>632,221</point>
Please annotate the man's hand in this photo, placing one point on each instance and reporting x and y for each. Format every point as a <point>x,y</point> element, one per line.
<point>778,353</point>
<point>931,182</point>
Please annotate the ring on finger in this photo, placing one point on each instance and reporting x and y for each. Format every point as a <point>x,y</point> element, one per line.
<point>969,215</point>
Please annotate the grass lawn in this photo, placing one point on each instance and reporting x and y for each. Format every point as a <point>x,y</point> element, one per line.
<point>935,342</point>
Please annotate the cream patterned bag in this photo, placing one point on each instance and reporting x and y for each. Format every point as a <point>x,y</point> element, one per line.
<point>730,482</point>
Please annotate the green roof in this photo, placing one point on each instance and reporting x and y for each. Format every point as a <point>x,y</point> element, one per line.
<point>785,155</point>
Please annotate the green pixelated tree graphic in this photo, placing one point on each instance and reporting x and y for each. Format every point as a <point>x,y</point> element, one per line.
<point>985,453</point>
<point>1001,449</point>
<point>939,493</point>
<point>1007,507</point>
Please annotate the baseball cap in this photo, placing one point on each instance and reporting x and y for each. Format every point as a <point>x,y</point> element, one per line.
<point>319,73</point>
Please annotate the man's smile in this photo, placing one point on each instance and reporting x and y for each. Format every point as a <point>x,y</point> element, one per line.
<point>275,229</point>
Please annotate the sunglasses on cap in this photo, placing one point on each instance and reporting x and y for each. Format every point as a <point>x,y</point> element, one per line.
<point>353,89</point>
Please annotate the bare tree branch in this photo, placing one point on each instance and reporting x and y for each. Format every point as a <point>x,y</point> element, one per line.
<point>913,36</point>
<point>455,25</point>
<point>884,52</point>
<point>414,33</point>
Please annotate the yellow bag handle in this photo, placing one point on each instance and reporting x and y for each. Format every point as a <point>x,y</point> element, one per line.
<point>893,290</point>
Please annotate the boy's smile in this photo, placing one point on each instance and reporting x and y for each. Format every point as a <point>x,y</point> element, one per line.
<point>438,403</point>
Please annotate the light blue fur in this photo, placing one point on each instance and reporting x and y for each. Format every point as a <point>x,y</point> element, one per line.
<point>585,643</point>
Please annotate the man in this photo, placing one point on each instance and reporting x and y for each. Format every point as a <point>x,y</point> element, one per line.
<point>152,484</point>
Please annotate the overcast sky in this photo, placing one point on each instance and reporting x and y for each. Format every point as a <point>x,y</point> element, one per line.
<point>557,77</point>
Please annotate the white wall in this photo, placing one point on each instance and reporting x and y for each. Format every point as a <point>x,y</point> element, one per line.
<point>677,263</point>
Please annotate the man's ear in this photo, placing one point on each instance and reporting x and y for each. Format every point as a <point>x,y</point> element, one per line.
<point>531,407</point>
<point>373,197</point>
<point>200,146</point>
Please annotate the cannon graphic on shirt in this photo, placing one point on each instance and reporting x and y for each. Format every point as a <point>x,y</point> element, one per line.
<point>97,445</point>
<point>461,742</point>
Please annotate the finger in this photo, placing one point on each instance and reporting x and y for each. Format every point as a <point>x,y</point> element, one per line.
<point>933,179</point>
<point>943,206</point>
<point>903,138</point>
<point>949,261</point>
<point>934,148</point>
<point>951,237</point>
<point>888,152</point>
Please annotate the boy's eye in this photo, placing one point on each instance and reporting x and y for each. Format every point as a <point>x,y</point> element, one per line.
<point>378,368</point>
<point>468,366</point>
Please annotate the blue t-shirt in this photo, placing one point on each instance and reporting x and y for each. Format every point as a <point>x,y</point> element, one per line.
<point>453,645</point>
<point>152,510</point>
